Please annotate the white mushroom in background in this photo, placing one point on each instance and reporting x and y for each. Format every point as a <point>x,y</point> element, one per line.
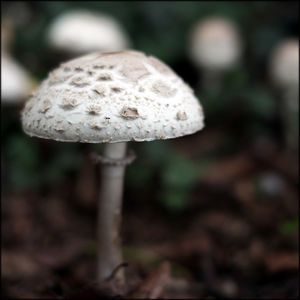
<point>112,98</point>
<point>80,32</point>
<point>215,46</point>
<point>284,71</point>
<point>16,83</point>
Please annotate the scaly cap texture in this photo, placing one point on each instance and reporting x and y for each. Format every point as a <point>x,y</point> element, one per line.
<point>112,97</point>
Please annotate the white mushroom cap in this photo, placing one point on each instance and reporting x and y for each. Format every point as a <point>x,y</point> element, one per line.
<point>81,32</point>
<point>284,66</point>
<point>112,97</point>
<point>16,84</point>
<point>215,44</point>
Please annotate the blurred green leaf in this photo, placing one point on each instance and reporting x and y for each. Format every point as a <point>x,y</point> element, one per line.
<point>174,199</point>
<point>178,176</point>
<point>151,157</point>
<point>289,227</point>
<point>140,174</point>
<point>179,171</point>
<point>22,158</point>
<point>66,159</point>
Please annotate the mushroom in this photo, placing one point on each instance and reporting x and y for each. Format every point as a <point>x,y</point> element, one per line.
<point>79,32</point>
<point>16,84</point>
<point>215,46</point>
<point>284,71</point>
<point>112,98</point>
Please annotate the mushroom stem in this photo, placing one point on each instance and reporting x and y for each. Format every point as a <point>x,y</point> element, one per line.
<point>212,80</point>
<point>109,214</point>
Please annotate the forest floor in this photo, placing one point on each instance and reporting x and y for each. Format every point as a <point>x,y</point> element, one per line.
<point>233,240</point>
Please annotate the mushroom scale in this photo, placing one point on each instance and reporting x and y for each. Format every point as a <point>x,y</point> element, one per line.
<point>112,97</point>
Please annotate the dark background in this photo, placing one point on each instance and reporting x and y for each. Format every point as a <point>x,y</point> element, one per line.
<point>221,206</point>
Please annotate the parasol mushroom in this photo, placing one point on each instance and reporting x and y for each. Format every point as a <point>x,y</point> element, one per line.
<point>112,98</point>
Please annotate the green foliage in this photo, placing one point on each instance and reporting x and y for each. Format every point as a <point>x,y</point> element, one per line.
<point>66,159</point>
<point>26,168</point>
<point>22,157</point>
<point>174,199</point>
<point>178,177</point>
<point>179,171</point>
<point>139,174</point>
<point>150,158</point>
<point>289,227</point>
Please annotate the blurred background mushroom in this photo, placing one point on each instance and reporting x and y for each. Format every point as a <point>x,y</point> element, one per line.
<point>215,47</point>
<point>284,71</point>
<point>16,83</point>
<point>78,32</point>
<point>221,206</point>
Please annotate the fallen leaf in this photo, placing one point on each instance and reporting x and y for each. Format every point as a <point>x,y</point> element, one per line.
<point>153,286</point>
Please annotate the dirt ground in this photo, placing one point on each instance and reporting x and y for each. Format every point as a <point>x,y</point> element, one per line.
<point>238,237</point>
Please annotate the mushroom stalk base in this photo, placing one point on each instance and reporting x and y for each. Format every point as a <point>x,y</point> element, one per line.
<point>109,214</point>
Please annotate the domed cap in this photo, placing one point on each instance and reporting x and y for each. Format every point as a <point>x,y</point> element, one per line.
<point>112,97</point>
<point>284,66</point>
<point>83,32</point>
<point>215,43</point>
